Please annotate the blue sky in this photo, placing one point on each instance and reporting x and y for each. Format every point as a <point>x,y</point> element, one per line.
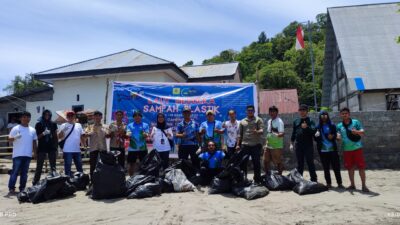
<point>39,35</point>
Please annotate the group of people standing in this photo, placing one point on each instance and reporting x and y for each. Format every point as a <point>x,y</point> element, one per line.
<point>206,144</point>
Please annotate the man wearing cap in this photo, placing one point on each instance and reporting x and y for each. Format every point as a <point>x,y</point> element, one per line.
<point>72,133</point>
<point>188,137</point>
<point>302,138</point>
<point>211,130</point>
<point>231,128</point>
<point>250,141</point>
<point>138,131</point>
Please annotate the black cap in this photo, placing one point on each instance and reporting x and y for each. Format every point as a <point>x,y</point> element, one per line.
<point>303,107</point>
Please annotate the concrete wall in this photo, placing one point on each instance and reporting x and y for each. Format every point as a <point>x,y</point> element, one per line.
<point>373,101</point>
<point>381,141</point>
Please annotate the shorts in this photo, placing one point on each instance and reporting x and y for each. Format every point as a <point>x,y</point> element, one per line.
<point>133,156</point>
<point>274,154</point>
<point>354,159</point>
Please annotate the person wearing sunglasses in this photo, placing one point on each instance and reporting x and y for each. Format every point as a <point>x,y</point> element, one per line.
<point>211,163</point>
<point>250,141</point>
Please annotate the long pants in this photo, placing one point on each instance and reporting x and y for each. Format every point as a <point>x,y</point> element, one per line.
<point>20,166</point>
<point>68,157</point>
<point>121,156</point>
<point>186,150</point>
<point>255,153</point>
<point>41,156</point>
<point>306,152</point>
<point>164,159</point>
<point>207,174</point>
<point>329,159</point>
<point>93,155</point>
<point>230,152</point>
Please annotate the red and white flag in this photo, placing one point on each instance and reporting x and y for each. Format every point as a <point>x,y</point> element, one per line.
<point>299,38</point>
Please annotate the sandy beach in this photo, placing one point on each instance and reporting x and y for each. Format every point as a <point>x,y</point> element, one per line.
<point>382,206</point>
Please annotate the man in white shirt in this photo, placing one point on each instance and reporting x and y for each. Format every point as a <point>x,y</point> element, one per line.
<point>72,133</point>
<point>231,131</point>
<point>24,139</point>
<point>274,144</point>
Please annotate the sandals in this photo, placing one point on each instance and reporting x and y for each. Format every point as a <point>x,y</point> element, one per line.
<point>351,188</point>
<point>365,189</point>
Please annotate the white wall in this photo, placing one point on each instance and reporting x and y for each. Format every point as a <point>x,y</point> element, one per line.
<point>92,91</point>
<point>373,101</point>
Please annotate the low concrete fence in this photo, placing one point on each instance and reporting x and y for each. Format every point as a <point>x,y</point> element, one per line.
<point>381,141</point>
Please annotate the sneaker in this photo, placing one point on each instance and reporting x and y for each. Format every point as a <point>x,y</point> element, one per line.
<point>329,186</point>
<point>340,186</point>
<point>12,192</point>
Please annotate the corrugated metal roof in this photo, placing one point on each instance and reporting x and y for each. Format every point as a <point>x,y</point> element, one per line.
<point>212,70</point>
<point>285,100</point>
<point>128,58</point>
<point>366,36</point>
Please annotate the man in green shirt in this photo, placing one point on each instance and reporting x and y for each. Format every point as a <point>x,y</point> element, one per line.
<point>350,132</point>
<point>274,143</point>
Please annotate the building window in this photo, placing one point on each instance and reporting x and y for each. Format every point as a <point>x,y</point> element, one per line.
<point>77,98</point>
<point>77,108</point>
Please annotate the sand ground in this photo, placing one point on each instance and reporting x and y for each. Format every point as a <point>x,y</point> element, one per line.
<point>382,206</point>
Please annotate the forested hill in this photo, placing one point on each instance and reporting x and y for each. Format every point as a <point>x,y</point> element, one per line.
<point>279,64</point>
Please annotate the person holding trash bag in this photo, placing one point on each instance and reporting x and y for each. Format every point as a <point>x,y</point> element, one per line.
<point>71,135</point>
<point>350,132</point>
<point>96,133</point>
<point>211,162</point>
<point>24,139</point>
<point>117,135</point>
<point>188,138</point>
<point>46,130</point>
<point>303,137</point>
<point>211,130</point>
<point>163,141</point>
<point>250,141</point>
<point>327,148</point>
<point>274,143</point>
<point>138,131</point>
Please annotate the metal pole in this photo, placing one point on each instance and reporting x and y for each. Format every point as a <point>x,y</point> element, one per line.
<point>312,65</point>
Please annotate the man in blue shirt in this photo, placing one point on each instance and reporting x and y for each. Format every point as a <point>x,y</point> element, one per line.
<point>211,163</point>
<point>188,138</point>
<point>137,132</point>
<point>211,130</point>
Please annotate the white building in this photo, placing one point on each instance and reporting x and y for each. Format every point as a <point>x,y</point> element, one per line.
<point>86,85</point>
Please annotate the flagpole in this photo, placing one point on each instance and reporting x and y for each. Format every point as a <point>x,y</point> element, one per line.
<point>312,66</point>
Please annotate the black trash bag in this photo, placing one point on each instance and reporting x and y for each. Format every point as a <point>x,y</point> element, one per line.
<point>219,185</point>
<point>109,158</point>
<point>108,179</point>
<point>151,164</point>
<point>67,190</point>
<point>309,187</point>
<point>179,181</point>
<point>196,180</point>
<point>23,196</point>
<point>233,169</point>
<point>276,182</point>
<point>80,181</point>
<point>295,177</point>
<point>135,181</point>
<point>166,185</point>
<point>185,165</point>
<point>49,188</point>
<point>146,191</point>
<point>251,192</point>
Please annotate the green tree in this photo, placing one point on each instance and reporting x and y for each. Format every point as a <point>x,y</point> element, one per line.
<point>20,84</point>
<point>188,63</point>
<point>225,56</point>
<point>279,75</point>
<point>262,38</point>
